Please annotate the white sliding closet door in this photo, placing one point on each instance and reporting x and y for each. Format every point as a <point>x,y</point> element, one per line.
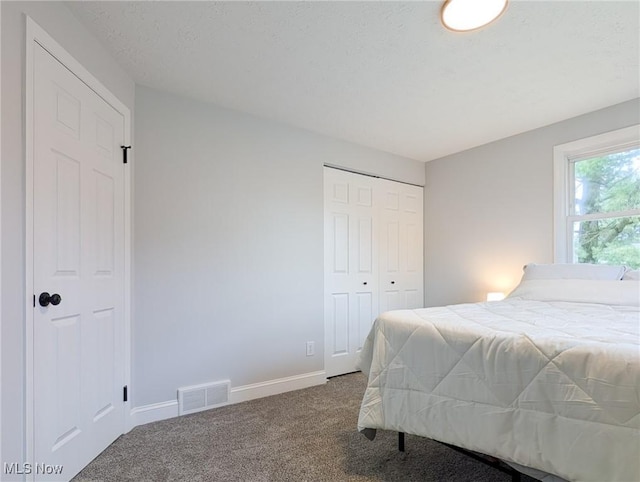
<point>373,259</point>
<point>401,242</point>
<point>350,267</point>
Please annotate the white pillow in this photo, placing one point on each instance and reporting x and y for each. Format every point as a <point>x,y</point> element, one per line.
<point>607,292</point>
<point>632,274</point>
<point>573,271</point>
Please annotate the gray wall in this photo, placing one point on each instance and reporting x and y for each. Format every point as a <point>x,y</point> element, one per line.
<point>58,21</point>
<point>229,243</point>
<point>489,210</point>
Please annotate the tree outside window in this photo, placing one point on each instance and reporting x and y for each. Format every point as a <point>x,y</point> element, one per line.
<point>605,213</point>
<point>596,202</point>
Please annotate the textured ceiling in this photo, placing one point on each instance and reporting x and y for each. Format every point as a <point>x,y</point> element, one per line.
<point>381,74</point>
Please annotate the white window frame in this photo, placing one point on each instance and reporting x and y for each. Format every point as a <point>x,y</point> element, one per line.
<point>563,155</point>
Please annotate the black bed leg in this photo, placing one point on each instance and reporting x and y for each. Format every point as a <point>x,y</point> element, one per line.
<point>401,441</point>
<point>515,476</point>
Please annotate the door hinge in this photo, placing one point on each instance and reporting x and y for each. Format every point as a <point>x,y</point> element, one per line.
<point>34,301</point>
<point>124,153</point>
<point>125,395</point>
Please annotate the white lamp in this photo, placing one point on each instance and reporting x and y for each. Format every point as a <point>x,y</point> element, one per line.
<point>466,15</point>
<point>495,296</point>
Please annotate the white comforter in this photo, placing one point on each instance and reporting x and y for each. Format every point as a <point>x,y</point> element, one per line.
<point>549,385</point>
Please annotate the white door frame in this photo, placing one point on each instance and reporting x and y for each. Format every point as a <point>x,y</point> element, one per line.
<point>35,34</point>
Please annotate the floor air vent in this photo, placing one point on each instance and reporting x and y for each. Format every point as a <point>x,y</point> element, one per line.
<point>202,397</point>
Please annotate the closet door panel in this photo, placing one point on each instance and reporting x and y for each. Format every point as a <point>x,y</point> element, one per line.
<point>373,259</point>
<point>340,323</point>
<point>365,245</point>
<point>340,243</point>
<point>414,248</point>
<point>365,316</point>
<point>350,267</point>
<point>401,244</point>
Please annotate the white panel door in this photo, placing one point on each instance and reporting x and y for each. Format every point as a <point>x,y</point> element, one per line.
<point>78,254</point>
<point>373,259</point>
<point>350,267</point>
<point>401,246</point>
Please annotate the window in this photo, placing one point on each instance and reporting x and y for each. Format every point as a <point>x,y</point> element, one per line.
<point>597,199</point>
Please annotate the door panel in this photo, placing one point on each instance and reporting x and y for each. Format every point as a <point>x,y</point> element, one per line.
<point>401,250</point>
<point>104,216</point>
<point>365,313</point>
<point>340,243</point>
<point>391,250</point>
<point>365,196</point>
<point>412,298</point>
<point>67,353</point>
<point>373,259</point>
<point>67,112</point>
<point>350,267</point>
<point>414,248</point>
<point>340,322</point>
<point>365,245</point>
<point>391,300</point>
<point>67,215</point>
<point>391,198</point>
<point>78,253</point>
<point>103,348</point>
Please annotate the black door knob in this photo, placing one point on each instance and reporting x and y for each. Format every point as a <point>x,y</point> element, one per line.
<point>45,298</point>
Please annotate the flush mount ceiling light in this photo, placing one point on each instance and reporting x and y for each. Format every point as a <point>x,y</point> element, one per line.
<point>465,15</point>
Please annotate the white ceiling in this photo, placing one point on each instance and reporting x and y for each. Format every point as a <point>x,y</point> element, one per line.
<point>381,74</point>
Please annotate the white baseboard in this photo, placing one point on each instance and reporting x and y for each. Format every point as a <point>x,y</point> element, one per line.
<point>160,411</point>
<point>153,412</point>
<point>274,387</point>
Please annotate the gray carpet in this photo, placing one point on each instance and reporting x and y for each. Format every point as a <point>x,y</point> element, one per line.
<point>306,435</point>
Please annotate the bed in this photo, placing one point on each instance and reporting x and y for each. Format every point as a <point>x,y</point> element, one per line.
<point>547,379</point>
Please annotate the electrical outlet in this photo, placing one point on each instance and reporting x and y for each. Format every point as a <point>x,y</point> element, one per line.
<point>311,348</point>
